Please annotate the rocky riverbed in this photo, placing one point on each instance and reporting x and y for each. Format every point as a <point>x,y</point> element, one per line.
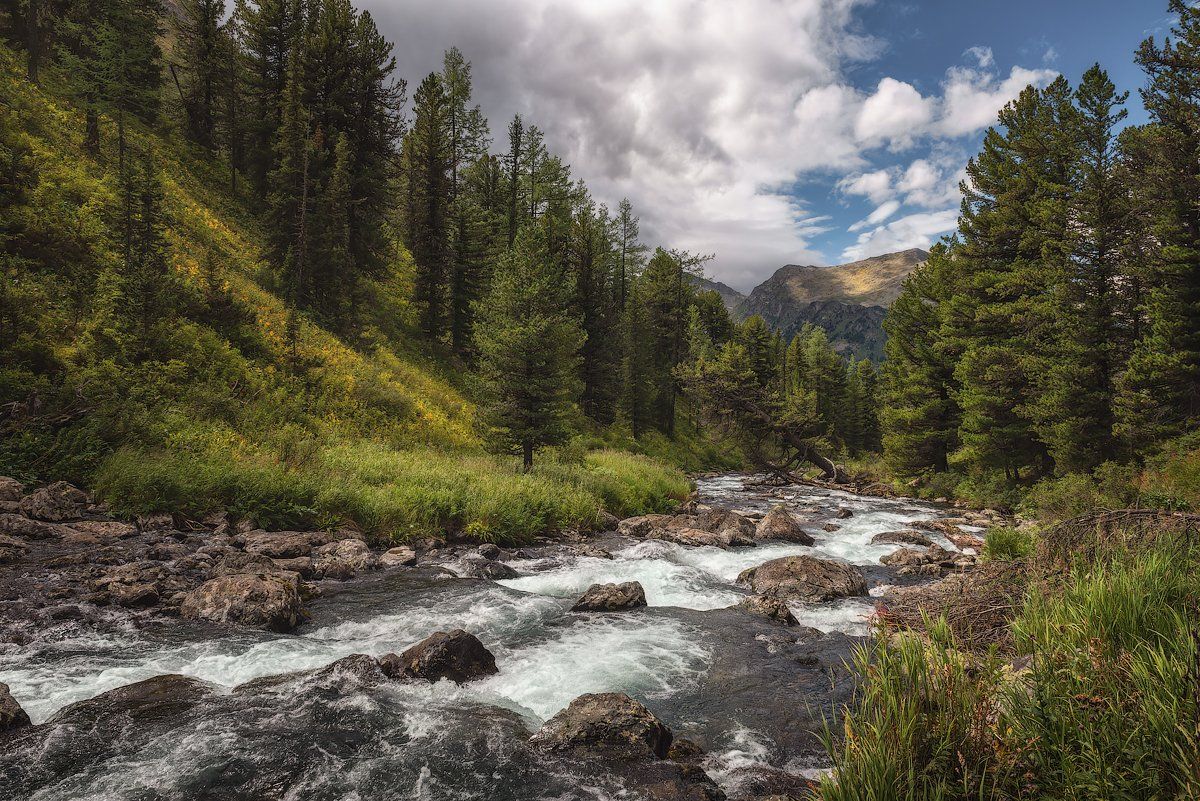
<point>684,656</point>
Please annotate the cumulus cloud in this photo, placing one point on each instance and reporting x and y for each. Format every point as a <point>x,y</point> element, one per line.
<point>706,114</point>
<point>880,214</point>
<point>912,231</point>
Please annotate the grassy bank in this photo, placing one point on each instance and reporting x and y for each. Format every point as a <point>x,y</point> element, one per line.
<point>1096,694</point>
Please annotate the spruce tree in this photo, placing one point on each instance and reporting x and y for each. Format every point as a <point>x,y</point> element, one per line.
<point>528,344</point>
<point>201,52</point>
<point>427,177</point>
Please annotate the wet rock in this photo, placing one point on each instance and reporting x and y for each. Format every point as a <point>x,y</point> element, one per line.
<point>167,551</point>
<point>902,538</point>
<point>232,563</point>
<point>483,568</point>
<point>780,524</point>
<point>11,549</point>
<point>611,597</point>
<point>104,529</point>
<point>489,550</point>
<point>159,521</point>
<point>612,724</point>
<point>763,783</point>
<point>843,513</point>
<point>729,537</point>
<point>456,655</point>
<point>805,578</point>
<point>343,559</point>
<point>55,503</point>
<point>158,698</point>
<point>831,527</point>
<point>642,525</point>
<point>607,521</point>
<point>720,520</point>
<point>771,608</point>
<point>399,556</point>
<point>260,600</point>
<point>12,716</point>
<point>904,557</point>
<point>10,489</point>
<point>284,544</point>
<point>684,750</point>
<point>133,595</point>
<point>300,564</point>
<point>594,551</point>
<point>29,529</point>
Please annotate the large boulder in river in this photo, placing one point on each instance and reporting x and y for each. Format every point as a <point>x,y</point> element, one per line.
<point>642,525</point>
<point>454,655</point>
<point>611,597</point>
<point>55,503</point>
<point>260,600</point>
<point>156,698</point>
<point>770,608</point>
<point>805,578</point>
<point>12,716</point>
<point>780,524</point>
<point>902,538</point>
<point>478,567</point>
<point>343,559</point>
<point>26,528</point>
<point>609,723</point>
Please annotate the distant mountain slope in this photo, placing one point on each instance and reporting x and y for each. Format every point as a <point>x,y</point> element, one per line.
<point>731,296</point>
<point>848,301</point>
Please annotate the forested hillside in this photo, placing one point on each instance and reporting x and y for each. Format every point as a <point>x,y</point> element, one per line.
<point>242,271</point>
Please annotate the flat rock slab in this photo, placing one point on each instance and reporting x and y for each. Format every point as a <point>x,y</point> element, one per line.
<point>805,578</point>
<point>611,598</point>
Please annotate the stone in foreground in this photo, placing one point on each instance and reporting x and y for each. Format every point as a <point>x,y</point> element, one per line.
<point>770,608</point>
<point>805,578</point>
<point>609,723</point>
<point>12,716</point>
<point>611,598</point>
<point>780,524</point>
<point>260,600</point>
<point>454,655</point>
<point>902,538</point>
<point>55,503</point>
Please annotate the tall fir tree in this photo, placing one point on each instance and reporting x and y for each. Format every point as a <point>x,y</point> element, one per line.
<point>201,51</point>
<point>427,166</point>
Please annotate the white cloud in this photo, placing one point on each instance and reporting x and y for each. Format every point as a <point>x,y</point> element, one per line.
<point>912,231</point>
<point>933,182</point>
<point>896,113</point>
<point>705,113</point>
<point>877,185</point>
<point>879,215</point>
<point>983,56</point>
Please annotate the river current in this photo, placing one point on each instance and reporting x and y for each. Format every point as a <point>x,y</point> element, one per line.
<point>271,725</point>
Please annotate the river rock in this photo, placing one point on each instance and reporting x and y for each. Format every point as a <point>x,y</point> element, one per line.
<point>610,723</point>
<point>611,597</point>
<point>642,525</point>
<point>594,551</point>
<point>771,608</point>
<point>12,716</point>
<point>284,544</point>
<point>805,578</point>
<point>11,549</point>
<point>104,529</point>
<point>260,600</point>
<point>232,563</point>
<point>29,529</point>
<point>156,698</point>
<point>158,521</point>
<point>400,556</point>
<point>489,550</point>
<point>10,489</point>
<point>843,513</point>
<point>55,503</point>
<point>780,524</point>
<point>454,655</point>
<point>902,538</point>
<point>478,567</point>
<point>343,559</point>
<point>717,520</point>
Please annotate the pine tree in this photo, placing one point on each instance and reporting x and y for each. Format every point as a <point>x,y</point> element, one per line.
<point>632,253</point>
<point>1159,394</point>
<point>200,49</point>
<point>592,267</point>
<point>513,162</point>
<point>528,345</point>
<point>289,202</point>
<point>427,166</point>
<point>269,30</point>
<point>758,341</point>
<point>146,279</point>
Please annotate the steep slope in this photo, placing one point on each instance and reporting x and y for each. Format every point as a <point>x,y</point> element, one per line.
<point>848,301</point>
<point>236,405</point>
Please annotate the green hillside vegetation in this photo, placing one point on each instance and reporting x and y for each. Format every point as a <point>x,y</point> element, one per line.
<point>227,408</point>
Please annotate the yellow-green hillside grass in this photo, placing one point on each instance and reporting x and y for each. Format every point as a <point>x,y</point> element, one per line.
<point>229,411</point>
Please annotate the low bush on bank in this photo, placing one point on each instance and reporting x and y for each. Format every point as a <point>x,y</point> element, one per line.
<point>1004,544</point>
<point>1101,700</point>
<point>395,494</point>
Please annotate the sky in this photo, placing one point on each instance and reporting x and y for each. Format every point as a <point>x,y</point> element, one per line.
<point>769,132</point>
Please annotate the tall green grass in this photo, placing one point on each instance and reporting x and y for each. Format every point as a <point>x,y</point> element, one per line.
<point>395,494</point>
<point>1108,706</point>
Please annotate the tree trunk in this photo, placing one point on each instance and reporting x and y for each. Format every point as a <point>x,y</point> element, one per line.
<point>91,135</point>
<point>527,456</point>
<point>34,40</point>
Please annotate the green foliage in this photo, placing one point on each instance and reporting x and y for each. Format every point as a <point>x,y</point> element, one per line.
<point>1004,544</point>
<point>1106,708</point>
